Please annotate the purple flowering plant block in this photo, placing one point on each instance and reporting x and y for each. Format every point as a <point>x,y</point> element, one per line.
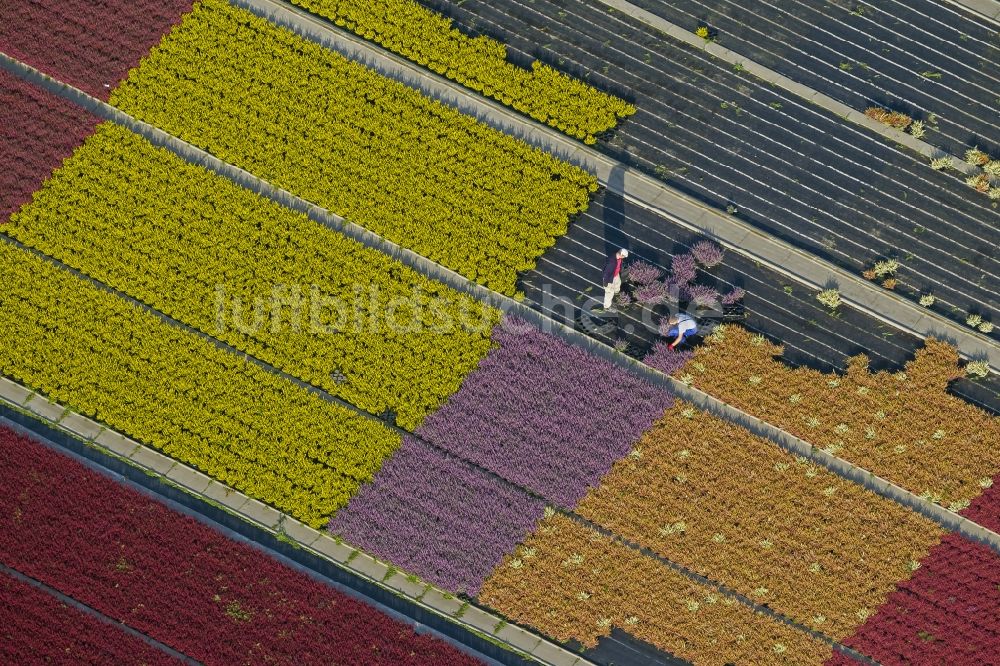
<point>665,359</point>
<point>545,415</point>
<point>438,517</point>
<point>707,253</point>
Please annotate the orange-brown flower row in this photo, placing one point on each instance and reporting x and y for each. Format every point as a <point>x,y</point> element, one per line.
<point>903,426</point>
<point>710,495</point>
<point>570,582</point>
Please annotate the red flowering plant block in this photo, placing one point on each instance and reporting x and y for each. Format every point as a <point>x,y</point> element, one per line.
<point>37,132</point>
<point>947,613</point>
<point>90,45</point>
<point>179,581</point>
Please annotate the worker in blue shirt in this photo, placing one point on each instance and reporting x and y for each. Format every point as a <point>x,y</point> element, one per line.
<point>682,326</point>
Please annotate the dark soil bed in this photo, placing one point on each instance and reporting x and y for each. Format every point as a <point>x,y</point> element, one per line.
<point>778,162</point>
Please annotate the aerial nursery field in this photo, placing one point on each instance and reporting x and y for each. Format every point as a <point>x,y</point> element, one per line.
<point>39,626</point>
<point>902,426</point>
<point>571,582</point>
<point>91,45</point>
<point>479,63</point>
<point>346,138</point>
<point>37,131</point>
<point>179,581</point>
<point>298,295</point>
<point>107,358</point>
<point>780,163</point>
<point>737,509</point>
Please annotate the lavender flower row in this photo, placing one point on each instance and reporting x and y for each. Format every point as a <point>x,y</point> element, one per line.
<point>438,517</point>
<point>545,415</point>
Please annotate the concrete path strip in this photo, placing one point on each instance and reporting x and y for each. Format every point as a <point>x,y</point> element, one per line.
<point>637,187</point>
<point>988,10</point>
<point>460,283</point>
<point>359,563</point>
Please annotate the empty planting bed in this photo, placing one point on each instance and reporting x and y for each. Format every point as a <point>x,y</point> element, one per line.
<point>777,162</point>
<point>920,57</point>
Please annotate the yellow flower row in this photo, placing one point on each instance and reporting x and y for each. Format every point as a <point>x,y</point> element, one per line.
<point>570,582</point>
<point>179,393</point>
<point>368,148</point>
<point>429,39</point>
<point>266,280</point>
<point>737,509</point>
<point>904,426</point>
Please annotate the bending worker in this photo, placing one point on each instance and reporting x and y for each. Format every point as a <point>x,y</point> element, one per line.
<point>682,326</point>
<point>612,276</point>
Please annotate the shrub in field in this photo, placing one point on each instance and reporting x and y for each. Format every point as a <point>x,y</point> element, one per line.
<point>321,298</point>
<point>366,147</point>
<point>886,268</point>
<point>701,296</point>
<point>479,63</point>
<point>985,327</point>
<point>91,45</point>
<point>973,320</point>
<point>665,359</point>
<point>39,131</point>
<point>917,129</point>
<point>941,163</point>
<point>733,296</point>
<point>979,182</point>
<point>573,583</point>
<point>977,369</point>
<point>891,118</point>
<point>733,507</point>
<point>992,168</point>
<point>830,298</point>
<point>707,253</point>
<point>438,517</point>
<point>642,273</point>
<point>165,574</point>
<point>927,300</point>
<point>904,426</point>
<point>545,415</point>
<point>976,157</point>
<point>653,293</point>
<point>947,613</point>
<point>683,268</point>
<point>171,389</point>
<point>40,628</point>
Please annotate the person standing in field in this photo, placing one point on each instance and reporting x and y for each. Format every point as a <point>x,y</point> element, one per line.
<point>612,276</point>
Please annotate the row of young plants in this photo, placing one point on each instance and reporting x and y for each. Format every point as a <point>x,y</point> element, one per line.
<point>110,360</point>
<point>357,143</point>
<point>574,583</point>
<point>215,600</point>
<point>91,45</point>
<point>39,131</point>
<point>478,63</point>
<point>40,628</point>
<point>947,613</point>
<point>257,276</point>
<point>903,426</point>
<point>731,506</point>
